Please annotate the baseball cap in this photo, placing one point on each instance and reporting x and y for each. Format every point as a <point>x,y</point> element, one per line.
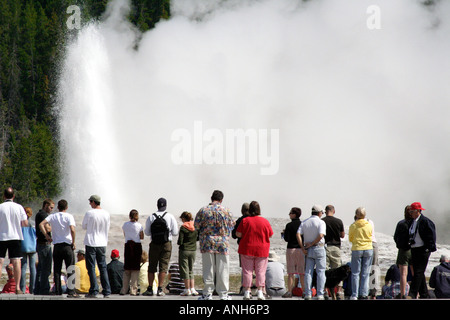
<point>416,206</point>
<point>95,198</point>
<point>162,204</point>
<point>115,253</point>
<point>317,208</point>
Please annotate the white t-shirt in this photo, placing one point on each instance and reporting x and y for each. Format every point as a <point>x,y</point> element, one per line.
<point>96,222</point>
<point>11,216</point>
<point>60,223</point>
<point>171,224</point>
<point>311,228</point>
<point>131,231</point>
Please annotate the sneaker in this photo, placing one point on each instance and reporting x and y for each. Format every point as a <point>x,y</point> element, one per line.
<point>149,292</point>
<point>225,297</point>
<point>287,295</point>
<point>320,298</point>
<point>160,292</point>
<point>91,296</point>
<point>260,295</point>
<point>247,295</point>
<point>307,298</point>
<point>205,297</point>
<point>186,292</point>
<point>194,292</point>
<point>73,295</point>
<point>353,298</point>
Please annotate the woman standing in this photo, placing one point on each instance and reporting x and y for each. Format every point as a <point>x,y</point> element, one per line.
<point>401,238</point>
<point>134,233</point>
<point>255,232</point>
<point>28,253</point>
<point>360,235</point>
<point>187,241</point>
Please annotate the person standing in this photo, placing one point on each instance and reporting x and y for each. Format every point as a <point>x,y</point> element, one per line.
<point>422,235</point>
<point>401,238</point>
<point>360,235</point>
<point>44,250</point>
<point>161,232</point>
<point>187,241</point>
<point>335,232</point>
<point>12,218</point>
<point>295,258</point>
<point>214,224</point>
<point>63,237</point>
<point>313,231</point>
<point>255,233</point>
<point>28,253</point>
<point>133,233</point>
<point>96,222</point>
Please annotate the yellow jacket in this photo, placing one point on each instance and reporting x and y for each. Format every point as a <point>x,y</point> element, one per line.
<point>360,235</point>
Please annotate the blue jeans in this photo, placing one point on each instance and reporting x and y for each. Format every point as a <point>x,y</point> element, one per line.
<point>361,263</point>
<point>97,255</point>
<point>316,257</point>
<point>44,268</point>
<point>31,259</point>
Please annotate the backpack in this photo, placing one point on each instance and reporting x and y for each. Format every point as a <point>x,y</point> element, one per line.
<point>159,229</point>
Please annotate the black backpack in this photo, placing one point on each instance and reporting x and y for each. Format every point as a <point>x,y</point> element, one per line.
<point>159,230</point>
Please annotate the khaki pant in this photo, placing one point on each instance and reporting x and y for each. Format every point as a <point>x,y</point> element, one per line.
<point>130,281</point>
<point>216,270</point>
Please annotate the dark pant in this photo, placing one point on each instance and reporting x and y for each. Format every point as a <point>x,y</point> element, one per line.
<point>97,255</point>
<point>62,252</point>
<point>44,268</point>
<point>419,261</point>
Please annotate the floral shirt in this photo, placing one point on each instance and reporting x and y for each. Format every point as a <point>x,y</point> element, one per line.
<point>214,224</point>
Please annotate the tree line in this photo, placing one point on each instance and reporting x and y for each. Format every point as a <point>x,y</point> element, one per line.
<point>32,38</point>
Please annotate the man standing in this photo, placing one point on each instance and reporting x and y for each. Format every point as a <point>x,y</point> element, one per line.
<point>161,232</point>
<point>44,250</point>
<point>335,231</point>
<point>313,231</point>
<point>63,237</point>
<point>12,219</point>
<point>422,235</point>
<point>214,224</point>
<point>96,222</point>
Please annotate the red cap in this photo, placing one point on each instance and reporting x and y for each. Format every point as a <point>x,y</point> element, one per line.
<point>416,206</point>
<point>115,253</point>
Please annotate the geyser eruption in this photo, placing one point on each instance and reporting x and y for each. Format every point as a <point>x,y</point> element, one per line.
<point>362,113</point>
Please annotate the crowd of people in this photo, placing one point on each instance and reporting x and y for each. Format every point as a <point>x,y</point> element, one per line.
<point>313,250</point>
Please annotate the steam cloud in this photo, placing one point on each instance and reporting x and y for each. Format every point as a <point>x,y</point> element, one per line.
<point>363,115</point>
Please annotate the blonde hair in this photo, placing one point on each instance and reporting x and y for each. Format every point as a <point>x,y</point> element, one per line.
<point>28,211</point>
<point>360,213</point>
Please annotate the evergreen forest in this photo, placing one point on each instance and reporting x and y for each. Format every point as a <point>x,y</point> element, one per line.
<point>32,38</point>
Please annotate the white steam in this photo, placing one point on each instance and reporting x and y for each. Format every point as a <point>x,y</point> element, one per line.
<point>363,115</point>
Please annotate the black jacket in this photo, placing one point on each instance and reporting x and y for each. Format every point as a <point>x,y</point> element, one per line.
<point>401,234</point>
<point>427,232</point>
